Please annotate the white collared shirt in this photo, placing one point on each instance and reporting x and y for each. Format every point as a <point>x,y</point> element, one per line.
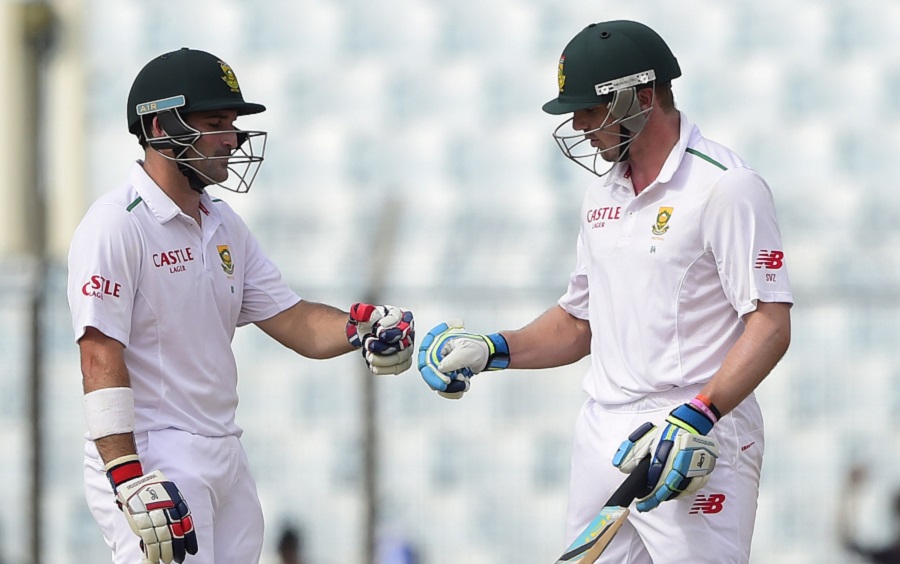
<point>173,292</point>
<point>664,277</point>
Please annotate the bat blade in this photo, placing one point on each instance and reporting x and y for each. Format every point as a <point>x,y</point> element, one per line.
<point>591,543</point>
<point>593,540</point>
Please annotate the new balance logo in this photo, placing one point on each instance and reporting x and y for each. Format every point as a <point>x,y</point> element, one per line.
<point>771,260</point>
<point>708,504</point>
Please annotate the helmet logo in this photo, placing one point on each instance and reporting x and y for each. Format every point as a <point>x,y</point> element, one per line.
<point>225,255</point>
<point>560,76</point>
<point>229,77</point>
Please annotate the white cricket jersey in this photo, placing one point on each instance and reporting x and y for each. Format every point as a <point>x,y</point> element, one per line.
<point>144,273</point>
<point>664,277</point>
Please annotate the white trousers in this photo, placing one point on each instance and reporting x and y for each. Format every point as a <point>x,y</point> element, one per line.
<point>713,525</point>
<point>214,478</point>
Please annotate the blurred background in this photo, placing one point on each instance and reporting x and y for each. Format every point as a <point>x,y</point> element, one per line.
<point>409,161</point>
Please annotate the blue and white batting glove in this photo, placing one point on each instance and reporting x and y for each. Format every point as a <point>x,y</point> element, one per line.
<point>683,456</point>
<point>155,510</point>
<point>449,357</point>
<point>385,334</point>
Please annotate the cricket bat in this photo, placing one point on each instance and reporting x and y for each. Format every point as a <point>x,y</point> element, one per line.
<point>593,540</point>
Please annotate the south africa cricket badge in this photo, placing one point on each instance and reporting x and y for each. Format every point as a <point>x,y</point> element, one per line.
<point>662,220</point>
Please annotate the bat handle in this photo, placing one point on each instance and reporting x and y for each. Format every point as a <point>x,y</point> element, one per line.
<point>635,485</point>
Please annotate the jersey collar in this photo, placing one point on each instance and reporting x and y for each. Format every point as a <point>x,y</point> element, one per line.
<point>619,177</point>
<point>673,161</point>
<point>158,202</point>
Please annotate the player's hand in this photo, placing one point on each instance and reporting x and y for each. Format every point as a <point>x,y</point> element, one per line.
<point>683,457</point>
<point>155,510</point>
<point>449,357</point>
<point>385,334</point>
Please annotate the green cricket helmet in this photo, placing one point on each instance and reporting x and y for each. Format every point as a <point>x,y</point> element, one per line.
<point>187,80</point>
<point>605,65</point>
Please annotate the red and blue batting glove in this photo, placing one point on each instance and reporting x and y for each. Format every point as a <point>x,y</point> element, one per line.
<point>683,455</point>
<point>155,509</point>
<point>449,357</point>
<point>385,334</point>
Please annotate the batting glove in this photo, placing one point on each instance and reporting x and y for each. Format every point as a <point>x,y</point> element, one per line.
<point>683,456</point>
<point>449,357</point>
<point>385,334</point>
<point>155,510</point>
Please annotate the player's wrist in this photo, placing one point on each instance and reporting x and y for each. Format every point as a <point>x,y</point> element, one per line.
<point>498,352</point>
<point>123,469</point>
<point>109,411</point>
<point>709,409</point>
<point>358,323</point>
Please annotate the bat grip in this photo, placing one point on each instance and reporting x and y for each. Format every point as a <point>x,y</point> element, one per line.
<point>635,485</point>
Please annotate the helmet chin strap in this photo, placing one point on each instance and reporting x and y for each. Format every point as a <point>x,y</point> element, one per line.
<point>194,181</point>
<point>626,108</point>
<point>176,128</point>
<point>626,134</point>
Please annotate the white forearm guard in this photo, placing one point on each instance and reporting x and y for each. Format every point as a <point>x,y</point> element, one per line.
<point>109,411</point>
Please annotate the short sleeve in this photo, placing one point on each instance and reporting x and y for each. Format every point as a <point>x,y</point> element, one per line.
<point>265,292</point>
<point>576,299</point>
<point>740,228</point>
<point>104,266</point>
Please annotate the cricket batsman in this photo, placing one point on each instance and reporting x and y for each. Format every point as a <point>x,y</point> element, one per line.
<point>680,295</point>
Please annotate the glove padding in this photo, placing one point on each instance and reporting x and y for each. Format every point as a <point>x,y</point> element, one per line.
<point>386,335</point>
<point>159,515</point>
<point>449,357</point>
<point>683,457</point>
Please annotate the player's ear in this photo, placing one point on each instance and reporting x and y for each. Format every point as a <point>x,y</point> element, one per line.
<point>645,97</point>
<point>156,129</point>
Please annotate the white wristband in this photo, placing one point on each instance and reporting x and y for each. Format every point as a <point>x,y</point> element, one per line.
<point>109,411</point>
